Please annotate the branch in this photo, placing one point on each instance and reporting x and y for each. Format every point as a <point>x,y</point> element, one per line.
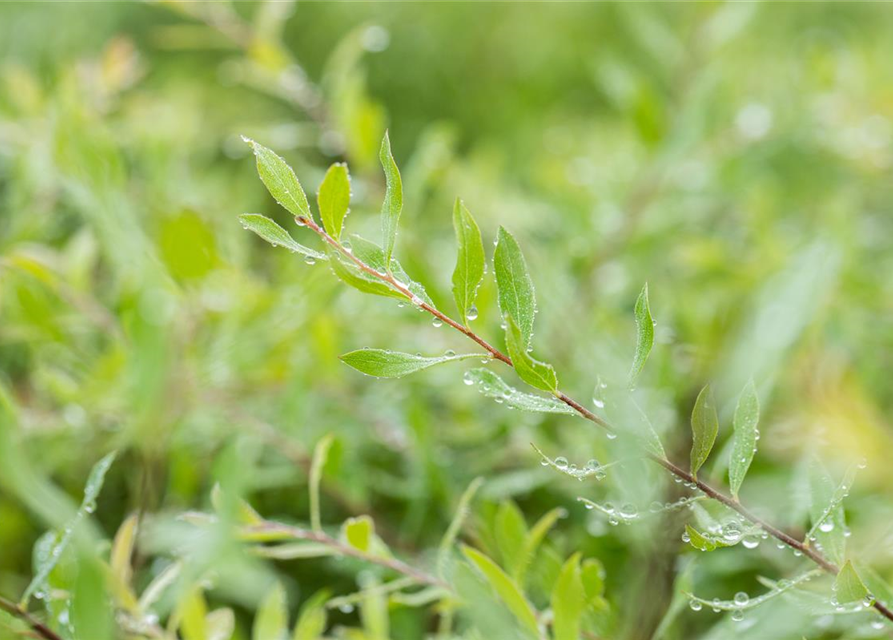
<point>36,625</point>
<point>395,565</point>
<point>677,471</point>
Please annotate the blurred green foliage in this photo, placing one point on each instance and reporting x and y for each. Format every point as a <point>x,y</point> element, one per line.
<point>737,157</point>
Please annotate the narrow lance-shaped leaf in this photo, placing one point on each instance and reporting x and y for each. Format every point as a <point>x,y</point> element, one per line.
<point>382,363</point>
<point>644,335</point>
<point>492,386</point>
<point>568,601</point>
<point>848,586</point>
<point>91,492</point>
<point>276,235</point>
<point>469,271</point>
<point>393,199</point>
<point>334,199</point>
<point>704,427</point>
<point>533,372</point>
<point>826,507</point>
<point>373,256</point>
<point>510,530</point>
<point>320,456</point>
<point>280,180</point>
<point>515,288</point>
<point>744,446</point>
<point>506,589</point>
<point>698,540</point>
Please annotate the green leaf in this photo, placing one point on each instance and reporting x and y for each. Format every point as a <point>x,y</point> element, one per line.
<point>644,335</point>
<point>469,271</point>
<point>271,620</point>
<point>515,288</point>
<point>592,574</point>
<point>535,373</point>
<point>320,455</point>
<point>492,386</point>
<point>446,543</point>
<point>91,492</point>
<point>826,506</point>
<point>698,540</point>
<point>334,199</point>
<point>358,532</point>
<point>704,427</point>
<point>848,586</point>
<point>351,275</point>
<point>744,446</point>
<point>393,199</point>
<point>511,535</point>
<point>534,538</point>
<point>373,256</point>
<point>276,235</point>
<point>312,619</point>
<point>294,551</point>
<point>505,588</point>
<point>568,601</point>
<point>383,363</point>
<point>191,611</point>
<point>280,180</point>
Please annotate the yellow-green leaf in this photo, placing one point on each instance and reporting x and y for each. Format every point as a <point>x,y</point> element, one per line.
<point>271,619</point>
<point>704,427</point>
<point>568,601</point>
<point>280,180</point>
<point>505,588</point>
<point>276,235</point>
<point>469,271</point>
<point>393,199</point>
<point>358,532</point>
<point>383,363</point>
<point>744,446</point>
<point>644,335</point>
<point>515,288</point>
<point>848,586</point>
<point>312,619</point>
<point>535,373</point>
<point>334,199</point>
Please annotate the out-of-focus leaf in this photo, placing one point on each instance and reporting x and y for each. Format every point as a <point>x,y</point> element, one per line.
<point>592,574</point>
<point>511,535</point>
<point>334,199</point>
<point>492,386</point>
<point>88,506</point>
<point>505,588</point>
<point>848,586</point>
<point>220,624</point>
<point>280,180</point>
<point>534,538</point>
<point>393,199</point>
<point>644,335</point>
<point>192,611</point>
<point>446,543</point>
<point>469,271</point>
<point>271,620</point>
<point>159,585</point>
<point>119,559</point>
<point>515,288</point>
<point>535,373</point>
<point>383,363</point>
<point>223,502</point>
<point>295,550</point>
<point>320,455</point>
<point>826,506</point>
<point>747,416</point>
<point>568,601</point>
<point>358,532</point>
<point>704,427</point>
<point>276,235</point>
<point>312,619</point>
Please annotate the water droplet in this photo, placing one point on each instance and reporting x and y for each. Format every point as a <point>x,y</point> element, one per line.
<point>347,247</point>
<point>862,463</point>
<point>468,378</point>
<point>449,353</point>
<point>346,608</point>
<point>741,599</point>
<point>716,605</point>
<point>695,605</point>
<point>655,507</point>
<point>686,538</point>
<point>783,583</point>
<point>572,468</point>
<point>750,542</point>
<point>589,505</point>
<point>472,313</point>
<point>561,462</point>
<point>613,521</point>
<point>827,526</point>
<point>437,323</point>
<point>592,465</point>
<point>877,625</point>
<point>737,615</point>
<point>731,532</point>
<point>609,507</point>
<point>628,511</point>
<point>504,325</point>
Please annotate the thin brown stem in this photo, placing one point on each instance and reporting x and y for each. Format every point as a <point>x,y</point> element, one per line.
<point>320,537</point>
<point>679,472</point>
<point>36,625</point>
